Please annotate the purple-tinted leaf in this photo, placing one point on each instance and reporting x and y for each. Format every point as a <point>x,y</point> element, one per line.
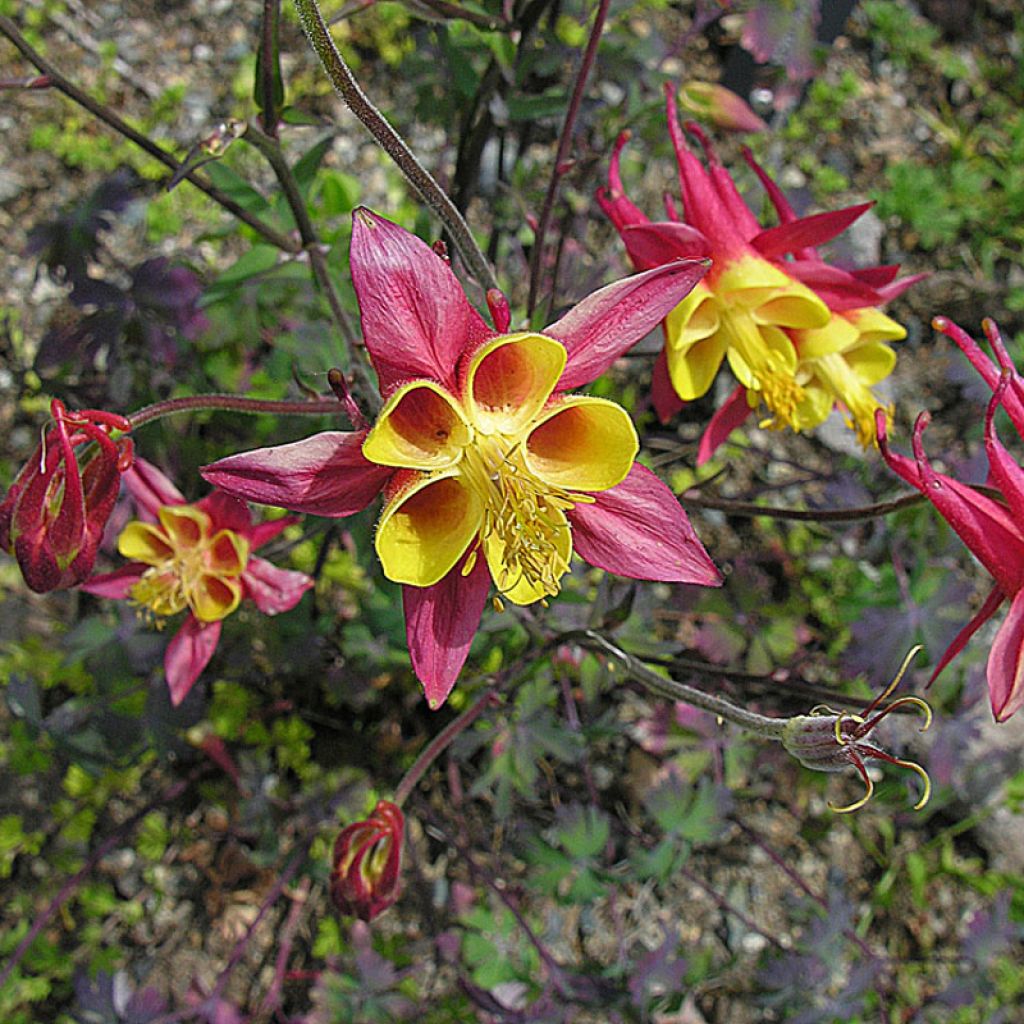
<point>783,32</point>
<point>78,338</point>
<point>659,973</point>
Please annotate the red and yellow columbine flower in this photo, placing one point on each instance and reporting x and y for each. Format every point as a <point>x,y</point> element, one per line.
<point>489,468</point>
<point>53,515</point>
<point>196,559</point>
<point>993,529</point>
<point>800,336</point>
<point>366,863</point>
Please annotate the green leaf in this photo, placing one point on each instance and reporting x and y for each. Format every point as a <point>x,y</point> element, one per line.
<point>307,165</point>
<point>258,260</point>
<point>235,186</point>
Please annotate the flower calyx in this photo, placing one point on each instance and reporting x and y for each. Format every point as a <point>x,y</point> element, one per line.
<point>827,740</point>
<point>53,516</point>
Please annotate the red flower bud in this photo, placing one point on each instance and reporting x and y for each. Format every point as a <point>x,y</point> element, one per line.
<point>53,515</point>
<point>367,859</point>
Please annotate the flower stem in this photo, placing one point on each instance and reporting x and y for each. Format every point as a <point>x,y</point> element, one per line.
<point>392,143</point>
<point>232,403</point>
<point>691,499</point>
<point>562,155</point>
<point>761,725</point>
<point>489,698</point>
<point>108,117</point>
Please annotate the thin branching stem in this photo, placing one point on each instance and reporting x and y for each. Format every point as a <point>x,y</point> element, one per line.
<point>751,510</point>
<point>232,403</point>
<point>392,143</point>
<point>562,155</point>
<point>99,110</point>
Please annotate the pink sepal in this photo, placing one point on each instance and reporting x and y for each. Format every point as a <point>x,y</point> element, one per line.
<point>1006,662</point>
<point>663,395</point>
<point>838,289</point>
<point>226,511</point>
<point>274,590</point>
<point>188,654</point>
<point>440,622</point>
<point>265,532</point>
<point>416,319</point>
<point>325,475</point>
<point>987,610</point>
<point>806,232</point>
<point>116,584</point>
<point>613,319</point>
<point>638,529</point>
<point>150,488</point>
<point>728,417</point>
<point>652,245</point>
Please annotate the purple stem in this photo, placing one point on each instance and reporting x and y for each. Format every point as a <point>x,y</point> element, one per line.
<point>272,1000</point>
<point>489,698</point>
<point>232,403</point>
<point>691,499</point>
<point>564,146</point>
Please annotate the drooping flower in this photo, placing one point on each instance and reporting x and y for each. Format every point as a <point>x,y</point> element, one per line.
<point>53,515</point>
<point>366,863</point>
<point>490,470</point>
<point>992,527</point>
<point>799,335</point>
<point>826,740</point>
<point>196,559</point>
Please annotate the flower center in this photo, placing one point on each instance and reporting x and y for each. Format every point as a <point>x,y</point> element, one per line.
<point>190,566</point>
<point>525,535</point>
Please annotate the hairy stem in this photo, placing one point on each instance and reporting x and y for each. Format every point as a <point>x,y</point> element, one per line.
<point>108,117</point>
<point>761,725</point>
<point>392,143</point>
<point>232,403</point>
<point>562,155</point>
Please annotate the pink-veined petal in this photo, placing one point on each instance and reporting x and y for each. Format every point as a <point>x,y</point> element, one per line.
<point>274,590</point>
<point>612,320</point>
<point>188,654</point>
<point>417,321</point>
<point>663,395</point>
<point>226,511</point>
<point>987,610</point>
<point>888,292</point>
<point>807,232</point>
<point>1006,662</point>
<point>638,529</point>
<point>150,488</point>
<point>878,277</point>
<point>325,475</point>
<point>730,415</point>
<point>440,622</point>
<point>117,584</point>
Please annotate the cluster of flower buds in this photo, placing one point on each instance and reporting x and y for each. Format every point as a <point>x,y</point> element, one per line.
<point>53,515</point>
<point>366,863</point>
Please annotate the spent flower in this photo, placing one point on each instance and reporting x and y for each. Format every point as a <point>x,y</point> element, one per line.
<point>491,470</point>
<point>194,558</point>
<point>53,515</point>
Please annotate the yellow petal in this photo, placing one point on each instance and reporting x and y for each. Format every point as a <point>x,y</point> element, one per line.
<point>814,407</point>
<point>582,444</point>
<point>693,369</point>
<point>837,335</point>
<point>144,542</point>
<point>212,597</point>
<point>510,379</point>
<point>772,296</point>
<point>873,325</point>
<point>227,555</point>
<point>426,529</point>
<point>420,427</point>
<point>871,363</point>
<point>185,525</point>
<point>693,320</point>
<point>523,587</point>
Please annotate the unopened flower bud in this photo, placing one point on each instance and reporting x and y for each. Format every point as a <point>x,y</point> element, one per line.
<point>367,859</point>
<point>722,107</point>
<point>52,517</point>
